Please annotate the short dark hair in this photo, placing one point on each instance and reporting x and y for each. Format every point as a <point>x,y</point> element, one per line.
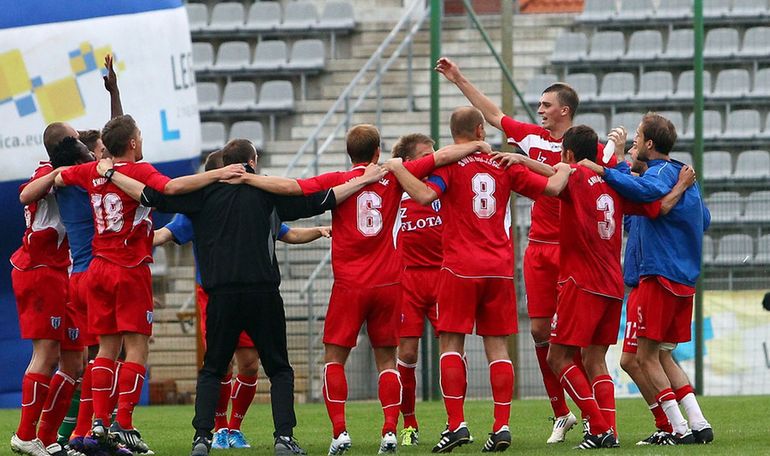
<point>213,161</point>
<point>464,121</point>
<point>89,138</point>
<point>660,130</point>
<point>53,134</point>
<point>406,145</point>
<point>238,151</point>
<point>69,152</point>
<point>117,133</point>
<point>566,96</point>
<point>362,142</point>
<point>582,141</point>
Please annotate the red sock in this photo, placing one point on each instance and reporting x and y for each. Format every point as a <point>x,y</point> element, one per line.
<point>60,391</point>
<point>552,386</point>
<point>102,379</point>
<point>661,420</point>
<point>683,391</point>
<point>115,391</point>
<point>501,378</point>
<point>244,389</point>
<point>34,390</point>
<point>408,395</point>
<point>604,392</point>
<point>335,391</point>
<point>389,391</point>
<point>220,416</point>
<point>130,382</point>
<point>86,409</point>
<point>576,385</point>
<point>453,385</point>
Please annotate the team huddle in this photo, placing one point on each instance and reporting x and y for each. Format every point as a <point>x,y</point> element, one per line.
<point>425,235</point>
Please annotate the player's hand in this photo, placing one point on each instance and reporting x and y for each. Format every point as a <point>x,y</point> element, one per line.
<point>111,79</point>
<point>508,159</point>
<point>231,171</point>
<point>393,164</point>
<point>326,231</point>
<point>687,176</point>
<point>373,173</point>
<point>598,169</point>
<point>104,165</point>
<point>484,147</point>
<point>449,69</point>
<point>619,135</point>
<point>564,167</point>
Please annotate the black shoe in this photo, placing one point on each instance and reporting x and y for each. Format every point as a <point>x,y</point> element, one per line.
<point>285,446</point>
<point>654,438</point>
<point>592,442</point>
<point>687,439</point>
<point>705,435</point>
<point>130,438</point>
<point>201,446</point>
<point>498,441</point>
<point>452,439</point>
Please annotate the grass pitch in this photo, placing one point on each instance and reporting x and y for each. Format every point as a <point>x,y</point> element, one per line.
<point>740,426</point>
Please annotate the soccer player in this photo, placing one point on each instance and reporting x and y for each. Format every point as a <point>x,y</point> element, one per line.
<point>672,247</point>
<point>476,285</point>
<point>557,108</point>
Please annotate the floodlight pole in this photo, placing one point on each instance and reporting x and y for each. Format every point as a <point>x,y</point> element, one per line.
<point>698,162</point>
<point>436,11</point>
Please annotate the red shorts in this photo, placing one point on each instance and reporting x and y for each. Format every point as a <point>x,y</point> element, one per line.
<point>489,303</point>
<point>541,276</point>
<point>420,288</point>
<point>632,321</point>
<point>41,298</point>
<point>665,315</point>
<point>244,341</point>
<point>349,308</point>
<point>583,318</point>
<point>119,298</point>
<point>76,334</point>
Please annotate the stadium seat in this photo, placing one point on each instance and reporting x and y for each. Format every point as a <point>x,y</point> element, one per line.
<point>677,119</point>
<point>765,134</point>
<point>752,164</point>
<point>212,135</point>
<point>749,8</point>
<point>725,207</point>
<point>733,83</point>
<point>233,55</point>
<point>630,120</point>
<point>674,10</point>
<point>757,207</point>
<point>644,45</point>
<point>536,85</point>
<point>248,129</point>
<point>717,165</point>
<point>270,55</point>
<point>307,55</point>
<point>208,95</point>
<point>761,83</point>
<point>617,87</point>
<point>598,11</point>
<point>584,83</point>
<point>594,120</point>
<point>159,266</point>
<point>763,250</point>
<point>708,249</point>
<point>655,85</point>
<point>197,16</point>
<point>755,42</point>
<point>570,47</point>
<point>682,157</point>
<point>712,125</point>
<point>239,96</point>
<point>680,44</point>
<point>735,250</point>
<point>635,10</point>
<point>685,86</point>
<point>607,46</point>
<point>523,211</point>
<point>264,16</point>
<point>227,16</point>
<point>299,15</point>
<point>203,56</point>
<point>743,124</point>
<point>276,96</point>
<point>721,42</point>
<point>337,15</point>
<point>713,9</point>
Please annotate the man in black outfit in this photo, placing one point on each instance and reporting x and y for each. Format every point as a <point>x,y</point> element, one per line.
<point>236,227</point>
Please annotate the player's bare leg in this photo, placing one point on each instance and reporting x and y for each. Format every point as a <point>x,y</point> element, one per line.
<point>629,364</point>
<point>453,381</point>
<point>685,395</point>
<point>407,363</point>
<point>594,360</point>
<point>335,392</point>
<point>501,379</point>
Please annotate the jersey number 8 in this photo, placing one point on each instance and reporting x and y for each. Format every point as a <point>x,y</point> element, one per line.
<point>484,204</point>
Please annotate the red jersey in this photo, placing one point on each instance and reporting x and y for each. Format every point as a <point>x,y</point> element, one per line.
<point>589,251</point>
<point>45,240</point>
<point>475,193</point>
<point>123,228</point>
<point>421,229</point>
<point>364,226</point>
<point>539,145</point>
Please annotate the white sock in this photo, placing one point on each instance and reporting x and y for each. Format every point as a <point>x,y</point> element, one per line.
<point>694,413</point>
<point>675,417</point>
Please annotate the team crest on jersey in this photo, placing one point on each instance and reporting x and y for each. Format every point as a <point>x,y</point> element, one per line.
<point>55,322</point>
<point>149,316</point>
<point>73,333</point>
<point>436,205</point>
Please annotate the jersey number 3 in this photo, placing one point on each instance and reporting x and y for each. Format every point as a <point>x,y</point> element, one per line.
<point>605,204</point>
<point>484,204</point>
<point>369,218</point>
<point>108,212</point>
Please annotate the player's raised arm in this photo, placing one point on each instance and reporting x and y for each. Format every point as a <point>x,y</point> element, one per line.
<point>111,85</point>
<point>454,152</point>
<point>558,181</point>
<point>492,113</point>
<point>411,185</point>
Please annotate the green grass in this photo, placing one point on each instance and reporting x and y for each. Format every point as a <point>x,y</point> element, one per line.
<point>740,426</point>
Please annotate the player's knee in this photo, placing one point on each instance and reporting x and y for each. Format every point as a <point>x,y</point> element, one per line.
<point>555,361</point>
<point>629,363</point>
<point>407,356</point>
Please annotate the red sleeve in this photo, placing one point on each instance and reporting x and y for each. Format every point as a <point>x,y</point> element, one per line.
<point>421,167</point>
<point>41,171</point>
<point>516,131</point>
<point>649,210</point>
<point>149,176</point>
<point>321,182</point>
<point>610,163</point>
<point>525,182</point>
<point>78,175</point>
<point>438,180</point>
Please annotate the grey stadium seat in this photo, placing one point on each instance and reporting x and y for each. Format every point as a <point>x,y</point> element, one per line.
<point>307,54</point>
<point>233,55</point>
<point>197,16</point>
<point>585,85</point>
<point>299,16</point>
<point>239,96</point>
<point>732,83</point>
<point>763,250</point>
<point>337,15</point>
<point>264,16</point>
<point>523,211</point>
<point>735,250</point>
<point>617,87</point>
<point>635,10</point>
<point>212,135</point>
<point>708,249</point>
<point>752,164</point>
<point>270,55</point>
<point>712,125</point>
<point>607,46</point>
<point>680,44</point>
<point>717,165</point>
<point>249,129</point>
<point>644,45</point>
<point>203,56</point>
<point>761,83</point>
<point>685,89</point>
<point>742,123</point>
<point>227,16</point>
<point>749,8</point>
<point>594,120</point>
<point>598,11</point>
<point>674,9</point>
<point>716,8</point>
<point>725,207</point>
<point>755,42</point>
<point>721,42</point>
<point>208,95</point>
<point>766,132</point>
<point>655,85</point>
<point>630,120</point>
<point>536,85</point>
<point>677,119</point>
<point>757,207</point>
<point>570,47</point>
<point>276,96</point>
<point>683,157</point>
